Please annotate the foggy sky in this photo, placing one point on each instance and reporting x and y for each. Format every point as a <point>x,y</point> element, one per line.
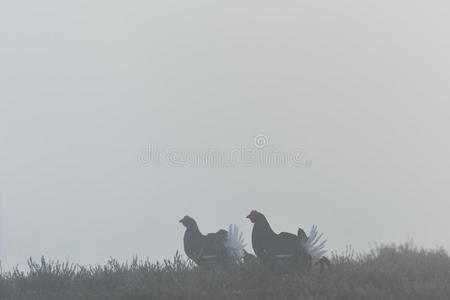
<point>361,88</point>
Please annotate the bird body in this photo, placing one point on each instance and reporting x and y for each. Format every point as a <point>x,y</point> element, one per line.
<point>221,247</point>
<point>272,248</point>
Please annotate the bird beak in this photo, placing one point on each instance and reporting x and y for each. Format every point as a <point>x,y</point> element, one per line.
<point>248,216</point>
<point>181,221</point>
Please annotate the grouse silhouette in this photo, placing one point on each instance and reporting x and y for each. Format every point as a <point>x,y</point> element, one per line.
<point>299,250</point>
<point>219,248</point>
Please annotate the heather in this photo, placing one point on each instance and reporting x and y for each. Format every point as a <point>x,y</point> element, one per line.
<point>386,272</point>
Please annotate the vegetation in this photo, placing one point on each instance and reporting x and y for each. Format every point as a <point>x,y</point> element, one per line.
<point>387,272</point>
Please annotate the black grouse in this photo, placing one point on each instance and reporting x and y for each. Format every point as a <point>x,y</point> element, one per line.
<point>217,248</point>
<point>286,248</point>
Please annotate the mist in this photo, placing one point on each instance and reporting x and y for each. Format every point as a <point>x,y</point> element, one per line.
<point>117,119</point>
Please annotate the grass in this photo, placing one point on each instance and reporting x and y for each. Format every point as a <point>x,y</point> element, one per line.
<point>387,272</point>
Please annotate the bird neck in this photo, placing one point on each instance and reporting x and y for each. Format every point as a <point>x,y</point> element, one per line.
<point>193,230</point>
<point>263,226</point>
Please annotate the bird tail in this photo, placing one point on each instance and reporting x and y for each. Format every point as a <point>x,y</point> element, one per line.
<point>235,243</point>
<point>314,245</point>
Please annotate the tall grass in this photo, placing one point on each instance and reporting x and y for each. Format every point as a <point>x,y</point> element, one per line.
<point>387,272</point>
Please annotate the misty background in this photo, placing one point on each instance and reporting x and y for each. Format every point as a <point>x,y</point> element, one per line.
<point>361,88</point>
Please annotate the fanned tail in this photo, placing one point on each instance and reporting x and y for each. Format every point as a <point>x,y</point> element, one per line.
<point>314,245</point>
<point>235,243</point>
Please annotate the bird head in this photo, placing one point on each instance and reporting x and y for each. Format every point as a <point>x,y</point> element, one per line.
<point>187,221</point>
<point>254,216</point>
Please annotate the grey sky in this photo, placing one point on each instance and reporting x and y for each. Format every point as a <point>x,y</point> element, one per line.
<point>361,87</point>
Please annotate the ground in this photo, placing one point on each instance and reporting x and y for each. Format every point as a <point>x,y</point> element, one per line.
<point>387,272</point>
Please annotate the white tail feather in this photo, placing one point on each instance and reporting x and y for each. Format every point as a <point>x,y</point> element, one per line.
<point>314,246</point>
<point>235,242</point>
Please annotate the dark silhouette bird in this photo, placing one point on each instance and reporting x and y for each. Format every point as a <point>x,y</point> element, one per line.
<point>219,248</point>
<point>299,250</point>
